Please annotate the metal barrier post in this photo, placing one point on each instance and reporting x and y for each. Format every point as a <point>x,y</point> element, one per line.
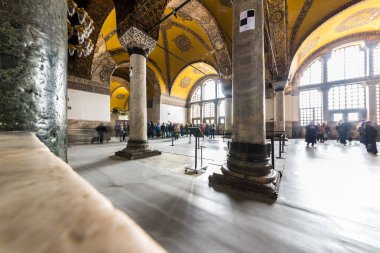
<point>272,147</point>
<point>172,141</point>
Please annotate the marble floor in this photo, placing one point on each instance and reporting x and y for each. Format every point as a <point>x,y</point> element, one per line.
<point>329,199</point>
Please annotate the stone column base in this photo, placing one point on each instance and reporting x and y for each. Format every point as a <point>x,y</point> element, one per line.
<point>137,150</point>
<point>248,169</point>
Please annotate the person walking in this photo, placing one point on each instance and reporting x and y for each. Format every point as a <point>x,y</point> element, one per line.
<point>370,134</point>
<point>311,134</point>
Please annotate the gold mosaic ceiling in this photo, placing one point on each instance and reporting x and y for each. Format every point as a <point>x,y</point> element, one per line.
<point>188,38</point>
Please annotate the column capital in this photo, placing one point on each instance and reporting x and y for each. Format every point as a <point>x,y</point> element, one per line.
<point>326,56</point>
<point>136,41</point>
<point>371,44</point>
<point>279,85</point>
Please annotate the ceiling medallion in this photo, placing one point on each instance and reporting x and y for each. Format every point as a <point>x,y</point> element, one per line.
<point>358,19</point>
<point>183,43</point>
<point>185,82</point>
<point>120,96</point>
<point>277,17</point>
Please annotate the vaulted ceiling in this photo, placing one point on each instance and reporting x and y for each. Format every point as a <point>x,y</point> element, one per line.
<point>201,33</point>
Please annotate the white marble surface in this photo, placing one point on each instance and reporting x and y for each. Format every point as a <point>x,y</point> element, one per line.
<point>46,207</point>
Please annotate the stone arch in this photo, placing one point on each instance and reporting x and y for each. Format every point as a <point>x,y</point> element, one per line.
<point>199,82</point>
<point>197,11</point>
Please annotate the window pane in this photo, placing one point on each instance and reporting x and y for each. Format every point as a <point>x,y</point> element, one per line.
<point>195,111</point>
<point>209,90</point>
<point>209,110</point>
<point>310,106</point>
<point>220,90</point>
<point>346,97</point>
<point>222,109</point>
<point>313,74</point>
<point>376,60</point>
<point>346,63</point>
<point>197,95</point>
<point>338,116</point>
<point>353,116</point>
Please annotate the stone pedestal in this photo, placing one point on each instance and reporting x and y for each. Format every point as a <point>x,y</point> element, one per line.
<point>248,168</point>
<point>33,66</point>
<point>138,45</point>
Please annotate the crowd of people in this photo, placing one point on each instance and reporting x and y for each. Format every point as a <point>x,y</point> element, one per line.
<point>321,132</point>
<point>169,130</point>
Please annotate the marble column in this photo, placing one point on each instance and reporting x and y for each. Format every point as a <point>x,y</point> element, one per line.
<point>228,111</point>
<point>138,45</point>
<point>248,168</point>
<point>33,66</point>
<point>279,116</point>
<point>372,100</point>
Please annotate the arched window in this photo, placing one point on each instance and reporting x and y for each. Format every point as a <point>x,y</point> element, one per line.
<point>207,103</point>
<point>313,74</point>
<point>346,63</point>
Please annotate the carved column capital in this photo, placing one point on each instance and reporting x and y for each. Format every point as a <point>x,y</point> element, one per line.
<point>136,41</point>
<point>279,86</point>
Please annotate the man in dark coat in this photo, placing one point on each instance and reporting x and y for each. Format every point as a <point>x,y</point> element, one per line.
<point>370,134</point>
<point>311,134</point>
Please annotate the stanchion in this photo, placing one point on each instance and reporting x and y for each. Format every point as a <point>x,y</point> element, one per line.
<point>190,138</point>
<point>272,147</point>
<point>172,141</point>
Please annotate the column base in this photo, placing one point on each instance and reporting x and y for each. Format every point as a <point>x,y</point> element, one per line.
<point>248,170</point>
<point>137,150</point>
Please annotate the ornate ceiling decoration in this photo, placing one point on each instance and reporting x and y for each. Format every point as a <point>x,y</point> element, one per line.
<point>278,65</point>
<point>185,82</point>
<point>183,43</point>
<point>135,38</point>
<point>301,17</point>
<point>358,19</point>
<point>103,64</point>
<point>99,11</point>
<point>204,18</point>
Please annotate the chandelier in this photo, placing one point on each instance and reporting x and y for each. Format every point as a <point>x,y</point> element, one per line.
<point>80,27</point>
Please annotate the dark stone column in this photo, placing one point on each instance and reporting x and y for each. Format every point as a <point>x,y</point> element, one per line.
<point>248,167</point>
<point>279,113</point>
<point>139,45</point>
<point>33,66</point>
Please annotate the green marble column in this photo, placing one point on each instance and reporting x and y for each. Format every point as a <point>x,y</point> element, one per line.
<point>33,66</point>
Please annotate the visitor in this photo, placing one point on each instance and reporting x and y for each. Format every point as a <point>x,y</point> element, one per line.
<point>361,131</point>
<point>337,127</point>
<point>176,131</point>
<point>158,130</point>
<point>345,128</point>
<point>311,134</point>
<point>163,130</point>
<point>370,135</point>
<point>101,130</point>
<point>212,129</point>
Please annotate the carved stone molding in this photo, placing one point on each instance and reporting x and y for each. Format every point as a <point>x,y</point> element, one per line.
<point>77,83</point>
<point>173,101</point>
<point>135,38</point>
